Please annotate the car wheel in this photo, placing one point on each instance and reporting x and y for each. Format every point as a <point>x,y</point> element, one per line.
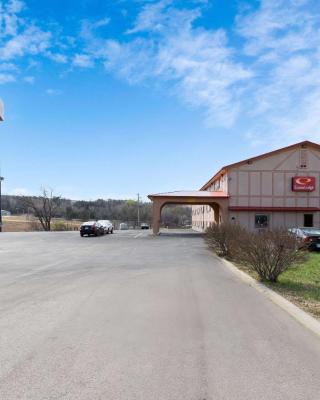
<point>111,230</point>
<point>81,234</point>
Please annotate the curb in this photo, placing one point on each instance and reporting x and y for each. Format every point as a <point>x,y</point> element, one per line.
<point>299,315</point>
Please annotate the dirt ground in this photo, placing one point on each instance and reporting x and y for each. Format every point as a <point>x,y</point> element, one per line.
<point>25,223</point>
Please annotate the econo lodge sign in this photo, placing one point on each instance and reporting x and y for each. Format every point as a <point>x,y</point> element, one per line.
<point>303,183</point>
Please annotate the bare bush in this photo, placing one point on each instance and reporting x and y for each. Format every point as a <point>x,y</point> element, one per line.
<point>43,207</point>
<point>223,238</point>
<point>35,226</point>
<point>269,253</point>
<point>60,226</point>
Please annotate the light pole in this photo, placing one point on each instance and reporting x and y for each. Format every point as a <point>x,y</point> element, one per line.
<point>1,179</point>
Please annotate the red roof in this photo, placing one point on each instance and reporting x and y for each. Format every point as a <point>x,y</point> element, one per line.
<point>270,153</point>
<point>190,193</point>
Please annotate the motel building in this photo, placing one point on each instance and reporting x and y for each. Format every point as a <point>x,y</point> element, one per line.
<point>276,189</point>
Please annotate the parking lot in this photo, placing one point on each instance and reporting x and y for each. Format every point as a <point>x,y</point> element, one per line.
<point>132,316</point>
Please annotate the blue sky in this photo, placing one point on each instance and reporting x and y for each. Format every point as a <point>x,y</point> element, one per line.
<point>105,99</point>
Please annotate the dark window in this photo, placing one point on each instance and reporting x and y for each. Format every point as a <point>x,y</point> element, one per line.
<point>261,221</point>
<point>303,158</point>
<point>308,220</point>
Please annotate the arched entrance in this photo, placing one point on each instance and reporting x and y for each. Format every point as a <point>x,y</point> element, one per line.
<point>217,200</point>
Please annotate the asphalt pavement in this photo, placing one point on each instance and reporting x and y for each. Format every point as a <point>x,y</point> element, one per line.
<point>130,316</point>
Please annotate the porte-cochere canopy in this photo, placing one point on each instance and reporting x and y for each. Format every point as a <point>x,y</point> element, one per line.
<point>217,200</point>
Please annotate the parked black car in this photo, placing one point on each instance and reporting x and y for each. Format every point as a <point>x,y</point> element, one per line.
<point>309,237</point>
<point>91,228</point>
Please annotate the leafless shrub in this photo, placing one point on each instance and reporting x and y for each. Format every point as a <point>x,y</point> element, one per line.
<point>269,253</point>
<point>223,238</point>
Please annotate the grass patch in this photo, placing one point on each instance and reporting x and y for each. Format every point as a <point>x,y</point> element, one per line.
<point>24,223</point>
<point>301,284</point>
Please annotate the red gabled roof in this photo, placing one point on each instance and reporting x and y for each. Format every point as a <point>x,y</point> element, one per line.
<point>270,153</point>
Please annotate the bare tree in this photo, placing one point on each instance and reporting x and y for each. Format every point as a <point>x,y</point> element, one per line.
<point>43,207</point>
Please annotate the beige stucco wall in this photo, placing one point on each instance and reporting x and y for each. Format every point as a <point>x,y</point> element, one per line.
<point>202,217</point>
<point>277,219</point>
<point>267,183</point>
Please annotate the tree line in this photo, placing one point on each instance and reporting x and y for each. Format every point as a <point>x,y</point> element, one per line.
<point>47,206</point>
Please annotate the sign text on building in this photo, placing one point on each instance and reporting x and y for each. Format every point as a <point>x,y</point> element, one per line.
<point>303,183</point>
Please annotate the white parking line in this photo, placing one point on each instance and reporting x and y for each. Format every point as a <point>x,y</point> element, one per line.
<point>139,234</point>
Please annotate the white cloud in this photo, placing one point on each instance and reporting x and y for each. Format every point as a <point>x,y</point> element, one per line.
<point>152,17</point>
<point>83,61</point>
<point>29,79</point>
<point>54,92</point>
<point>197,63</point>
<point>278,25</point>
<point>270,83</point>
<point>19,37</point>
<point>6,78</point>
<point>15,6</point>
<point>8,67</point>
<point>57,57</point>
<point>89,28</point>
<point>283,39</point>
<point>31,41</point>
<point>263,74</point>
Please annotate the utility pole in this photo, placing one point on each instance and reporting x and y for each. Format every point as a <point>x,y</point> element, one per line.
<point>138,210</point>
<point>1,178</point>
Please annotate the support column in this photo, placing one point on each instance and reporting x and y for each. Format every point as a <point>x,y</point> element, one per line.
<point>156,216</point>
<point>224,213</point>
<point>216,212</point>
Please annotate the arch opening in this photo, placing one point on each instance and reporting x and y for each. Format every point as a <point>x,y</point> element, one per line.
<point>217,201</point>
<point>216,213</point>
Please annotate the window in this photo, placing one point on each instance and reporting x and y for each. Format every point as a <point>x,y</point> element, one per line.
<point>308,220</point>
<point>261,221</point>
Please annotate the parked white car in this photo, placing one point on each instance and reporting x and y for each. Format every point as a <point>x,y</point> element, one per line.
<point>107,225</point>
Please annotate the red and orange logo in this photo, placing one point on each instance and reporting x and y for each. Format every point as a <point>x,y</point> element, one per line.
<point>303,183</point>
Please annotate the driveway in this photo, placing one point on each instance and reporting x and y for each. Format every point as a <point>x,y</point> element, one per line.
<point>134,317</point>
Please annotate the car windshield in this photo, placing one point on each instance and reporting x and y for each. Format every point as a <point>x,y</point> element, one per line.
<point>89,223</point>
<point>311,231</point>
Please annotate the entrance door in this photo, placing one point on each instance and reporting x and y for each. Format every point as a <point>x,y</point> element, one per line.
<point>308,220</point>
